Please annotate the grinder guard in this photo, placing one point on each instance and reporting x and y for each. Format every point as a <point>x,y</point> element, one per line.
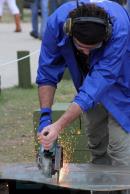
<point>50,161</point>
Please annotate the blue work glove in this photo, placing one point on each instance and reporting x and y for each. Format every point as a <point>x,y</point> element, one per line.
<point>45,119</point>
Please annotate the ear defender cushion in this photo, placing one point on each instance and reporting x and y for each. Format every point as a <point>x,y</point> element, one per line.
<point>67,28</point>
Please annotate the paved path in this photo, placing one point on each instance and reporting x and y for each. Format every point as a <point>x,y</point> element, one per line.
<point>10,43</point>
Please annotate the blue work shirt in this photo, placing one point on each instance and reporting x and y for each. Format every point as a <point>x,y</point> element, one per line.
<point>108,81</point>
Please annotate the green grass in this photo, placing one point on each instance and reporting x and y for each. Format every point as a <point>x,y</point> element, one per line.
<point>16,120</point>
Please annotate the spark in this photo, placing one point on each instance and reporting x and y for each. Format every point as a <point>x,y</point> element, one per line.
<point>64,171</point>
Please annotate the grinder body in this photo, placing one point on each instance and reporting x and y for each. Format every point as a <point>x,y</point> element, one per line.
<point>50,161</point>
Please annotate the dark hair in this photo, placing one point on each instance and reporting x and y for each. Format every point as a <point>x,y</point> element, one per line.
<point>89,32</point>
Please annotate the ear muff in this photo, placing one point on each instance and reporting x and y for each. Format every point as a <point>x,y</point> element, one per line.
<point>68,25</point>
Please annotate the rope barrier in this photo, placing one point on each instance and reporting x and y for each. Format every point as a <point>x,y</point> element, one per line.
<point>20,59</point>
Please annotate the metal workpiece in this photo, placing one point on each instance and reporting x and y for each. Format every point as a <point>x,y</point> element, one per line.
<point>95,177</point>
<point>24,172</point>
<point>73,176</point>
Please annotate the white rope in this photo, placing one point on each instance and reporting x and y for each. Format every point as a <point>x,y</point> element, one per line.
<point>20,59</point>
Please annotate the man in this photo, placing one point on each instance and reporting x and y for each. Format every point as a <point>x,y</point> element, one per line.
<point>35,7</point>
<point>54,4</point>
<point>93,41</point>
<point>127,5</point>
<point>14,10</point>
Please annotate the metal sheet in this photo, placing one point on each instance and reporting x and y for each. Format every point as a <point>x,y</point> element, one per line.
<point>74,176</point>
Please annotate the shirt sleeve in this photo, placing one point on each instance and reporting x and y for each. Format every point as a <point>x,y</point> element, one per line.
<point>51,63</point>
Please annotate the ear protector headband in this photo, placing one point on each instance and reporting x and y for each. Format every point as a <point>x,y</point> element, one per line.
<point>68,25</point>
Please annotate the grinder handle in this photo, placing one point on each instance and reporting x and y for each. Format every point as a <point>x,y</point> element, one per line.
<point>45,134</point>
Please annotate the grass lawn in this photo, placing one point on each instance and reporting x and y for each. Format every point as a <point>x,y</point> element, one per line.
<point>16,124</point>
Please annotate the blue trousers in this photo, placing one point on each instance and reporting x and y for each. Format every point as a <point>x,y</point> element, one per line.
<point>42,6</point>
<point>54,4</point>
<point>128,6</point>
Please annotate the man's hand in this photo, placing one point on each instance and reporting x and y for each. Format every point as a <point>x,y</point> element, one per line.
<point>48,136</point>
<point>54,129</point>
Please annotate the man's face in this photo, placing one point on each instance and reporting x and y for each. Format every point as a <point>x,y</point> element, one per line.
<point>84,48</point>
